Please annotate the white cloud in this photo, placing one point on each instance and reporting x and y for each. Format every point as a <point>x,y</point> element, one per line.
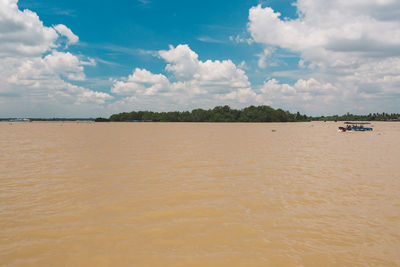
<point>329,26</point>
<point>33,73</point>
<point>208,39</point>
<point>302,63</point>
<point>238,39</point>
<point>141,82</point>
<point>353,44</point>
<point>41,77</point>
<point>308,94</point>
<point>86,95</point>
<point>208,76</point>
<point>192,81</point>
<point>64,31</point>
<point>262,58</point>
<point>347,50</point>
<point>22,32</point>
<point>52,65</point>
<point>182,61</point>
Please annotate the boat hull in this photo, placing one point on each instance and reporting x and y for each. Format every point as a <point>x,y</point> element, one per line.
<point>343,129</point>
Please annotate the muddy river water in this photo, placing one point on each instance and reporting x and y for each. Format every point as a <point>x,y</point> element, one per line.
<point>199,194</point>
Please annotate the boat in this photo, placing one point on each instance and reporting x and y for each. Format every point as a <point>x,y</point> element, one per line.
<point>355,127</point>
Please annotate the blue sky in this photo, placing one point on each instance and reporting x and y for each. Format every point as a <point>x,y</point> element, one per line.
<point>121,32</point>
<point>87,58</point>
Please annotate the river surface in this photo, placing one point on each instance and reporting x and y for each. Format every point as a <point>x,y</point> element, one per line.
<point>199,194</point>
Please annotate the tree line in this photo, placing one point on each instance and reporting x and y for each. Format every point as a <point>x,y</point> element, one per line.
<point>248,114</point>
<point>217,114</point>
<point>370,117</point>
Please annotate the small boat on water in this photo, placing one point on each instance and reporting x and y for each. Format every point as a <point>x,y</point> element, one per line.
<point>355,127</point>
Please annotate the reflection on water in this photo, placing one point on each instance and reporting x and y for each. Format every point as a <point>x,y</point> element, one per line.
<point>198,194</point>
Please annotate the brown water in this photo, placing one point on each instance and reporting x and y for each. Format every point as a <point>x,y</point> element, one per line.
<point>187,194</point>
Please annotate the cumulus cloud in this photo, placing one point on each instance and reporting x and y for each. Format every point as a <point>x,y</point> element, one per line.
<point>354,44</point>
<point>85,96</point>
<point>213,77</point>
<point>348,55</point>
<point>330,26</point>
<point>182,61</point>
<point>41,77</point>
<point>32,70</point>
<point>206,82</point>
<point>307,89</point>
<point>310,94</point>
<point>141,82</point>
<point>22,32</point>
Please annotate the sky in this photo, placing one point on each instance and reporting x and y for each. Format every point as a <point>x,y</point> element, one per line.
<point>70,58</point>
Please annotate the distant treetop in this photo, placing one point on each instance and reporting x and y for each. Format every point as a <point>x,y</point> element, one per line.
<point>217,114</point>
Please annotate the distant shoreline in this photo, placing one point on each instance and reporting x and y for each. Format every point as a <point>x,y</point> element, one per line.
<point>220,114</point>
<point>248,114</point>
<point>46,119</point>
<point>94,120</point>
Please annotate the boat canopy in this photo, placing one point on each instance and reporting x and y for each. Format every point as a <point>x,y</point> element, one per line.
<point>349,122</point>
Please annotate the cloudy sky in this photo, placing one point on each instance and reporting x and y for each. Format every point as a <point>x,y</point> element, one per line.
<point>71,58</point>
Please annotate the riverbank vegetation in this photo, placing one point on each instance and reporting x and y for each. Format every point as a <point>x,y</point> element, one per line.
<point>248,114</point>
<point>370,117</point>
<point>226,114</point>
<point>217,114</point>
